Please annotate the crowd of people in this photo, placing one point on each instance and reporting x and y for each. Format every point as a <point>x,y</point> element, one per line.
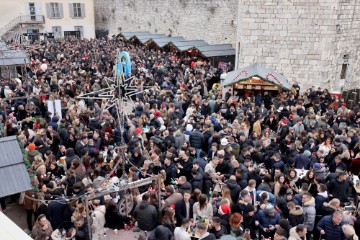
<point>231,166</point>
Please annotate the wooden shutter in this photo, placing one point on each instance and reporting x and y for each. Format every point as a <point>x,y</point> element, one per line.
<point>48,10</point>
<point>61,10</point>
<point>71,10</point>
<point>83,10</point>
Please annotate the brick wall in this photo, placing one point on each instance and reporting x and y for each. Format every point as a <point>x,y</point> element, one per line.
<point>209,20</point>
<point>303,39</point>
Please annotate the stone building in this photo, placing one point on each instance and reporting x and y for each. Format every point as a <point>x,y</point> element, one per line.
<point>313,42</point>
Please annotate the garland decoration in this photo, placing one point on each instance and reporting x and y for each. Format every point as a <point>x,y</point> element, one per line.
<point>32,175</point>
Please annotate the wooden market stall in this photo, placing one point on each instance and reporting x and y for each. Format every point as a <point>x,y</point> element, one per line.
<point>251,80</point>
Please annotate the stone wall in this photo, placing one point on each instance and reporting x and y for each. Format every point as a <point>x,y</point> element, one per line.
<point>308,41</point>
<point>209,20</point>
<point>305,40</point>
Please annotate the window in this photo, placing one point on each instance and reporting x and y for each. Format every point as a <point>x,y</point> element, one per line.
<point>54,10</point>
<point>343,71</point>
<point>80,29</point>
<point>77,10</point>
<point>56,31</point>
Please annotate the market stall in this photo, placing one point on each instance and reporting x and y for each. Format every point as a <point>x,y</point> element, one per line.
<point>256,78</point>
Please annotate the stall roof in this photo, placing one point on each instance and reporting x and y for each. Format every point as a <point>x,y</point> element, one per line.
<point>256,70</point>
<point>219,53</point>
<point>161,42</point>
<point>215,47</point>
<point>128,35</point>
<point>14,176</point>
<point>144,38</point>
<point>183,46</point>
<point>10,231</point>
<point>13,57</point>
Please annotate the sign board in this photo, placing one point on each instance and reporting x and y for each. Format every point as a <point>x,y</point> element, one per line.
<point>55,107</point>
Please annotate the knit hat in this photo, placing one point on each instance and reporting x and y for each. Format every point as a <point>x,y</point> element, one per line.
<point>224,142</point>
<point>285,122</point>
<point>189,127</point>
<point>157,114</point>
<point>31,147</point>
<point>317,166</point>
<point>269,209</point>
<point>224,209</point>
<point>138,131</point>
<point>307,153</point>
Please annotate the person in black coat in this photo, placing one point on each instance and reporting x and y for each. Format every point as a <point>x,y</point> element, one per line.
<point>234,188</point>
<point>113,219</point>
<point>340,187</point>
<point>184,185</point>
<point>198,179</point>
<point>180,208</point>
<point>321,198</point>
<point>196,138</point>
<point>296,214</point>
<point>170,171</point>
<point>58,212</point>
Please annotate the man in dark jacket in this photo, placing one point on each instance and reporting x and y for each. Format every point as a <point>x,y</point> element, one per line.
<point>170,171</point>
<point>340,187</point>
<point>145,214</point>
<point>198,179</point>
<point>234,188</point>
<point>302,161</point>
<point>196,139</point>
<point>184,208</point>
<point>296,214</point>
<point>184,185</point>
<point>330,227</point>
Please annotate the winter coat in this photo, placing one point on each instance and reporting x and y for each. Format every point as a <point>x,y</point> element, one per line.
<point>309,214</point>
<point>320,199</point>
<point>196,139</point>
<point>146,216</point>
<point>234,189</point>
<point>332,231</point>
<point>327,209</point>
<point>161,233</point>
<point>339,190</point>
<point>296,216</point>
<point>294,235</point>
<point>57,212</point>
<point>98,223</point>
<point>198,181</point>
<point>266,220</point>
<point>180,212</point>
<point>185,187</point>
<point>302,162</point>
<point>70,155</point>
<point>179,140</point>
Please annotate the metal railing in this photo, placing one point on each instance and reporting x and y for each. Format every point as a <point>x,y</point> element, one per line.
<point>24,19</point>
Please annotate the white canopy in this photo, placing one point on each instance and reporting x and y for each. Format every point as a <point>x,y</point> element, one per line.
<point>10,231</point>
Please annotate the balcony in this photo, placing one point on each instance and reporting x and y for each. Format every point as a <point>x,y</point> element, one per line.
<point>32,19</point>
<point>20,20</point>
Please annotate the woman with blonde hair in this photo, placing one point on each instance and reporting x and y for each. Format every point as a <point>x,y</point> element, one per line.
<point>349,232</point>
<point>226,195</point>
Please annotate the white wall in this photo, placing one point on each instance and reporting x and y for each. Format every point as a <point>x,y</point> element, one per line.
<point>10,9</point>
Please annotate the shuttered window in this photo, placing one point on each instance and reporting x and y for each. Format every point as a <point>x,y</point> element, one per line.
<point>77,10</point>
<point>54,10</point>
